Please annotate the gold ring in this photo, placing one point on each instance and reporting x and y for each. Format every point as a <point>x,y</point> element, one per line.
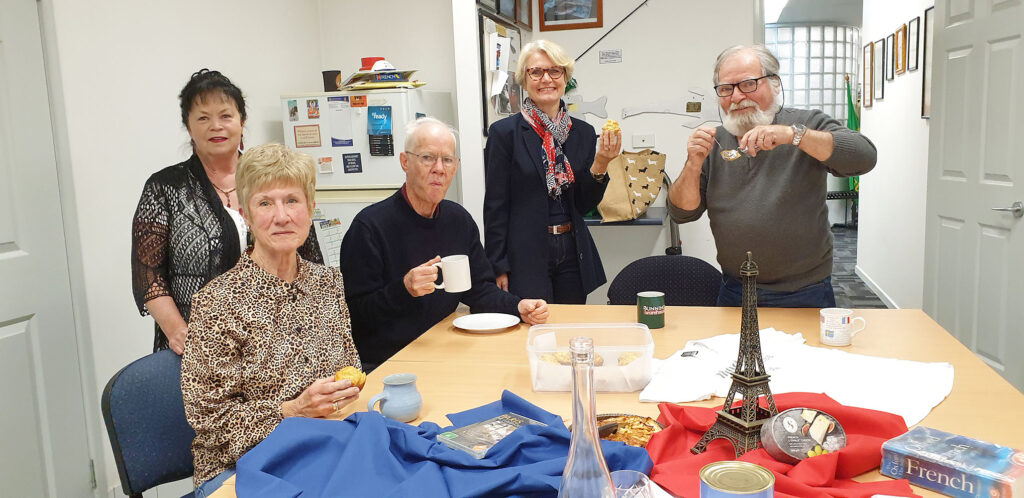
<point>335,405</point>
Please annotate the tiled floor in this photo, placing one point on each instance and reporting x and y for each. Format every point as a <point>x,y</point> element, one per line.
<point>850,290</point>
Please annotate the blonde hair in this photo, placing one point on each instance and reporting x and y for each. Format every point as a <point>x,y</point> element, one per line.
<point>554,51</point>
<point>274,164</point>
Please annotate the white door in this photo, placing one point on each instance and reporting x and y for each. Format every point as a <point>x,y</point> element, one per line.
<point>43,445</point>
<point>974,277</point>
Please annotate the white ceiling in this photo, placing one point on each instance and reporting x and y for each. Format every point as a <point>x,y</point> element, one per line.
<point>839,12</point>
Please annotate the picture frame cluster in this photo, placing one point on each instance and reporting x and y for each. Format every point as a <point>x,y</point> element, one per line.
<point>905,50</point>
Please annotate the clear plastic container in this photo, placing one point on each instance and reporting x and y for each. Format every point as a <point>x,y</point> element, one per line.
<point>622,355</point>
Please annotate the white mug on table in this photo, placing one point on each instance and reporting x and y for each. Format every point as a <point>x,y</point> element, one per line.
<point>837,326</point>
<point>454,273</point>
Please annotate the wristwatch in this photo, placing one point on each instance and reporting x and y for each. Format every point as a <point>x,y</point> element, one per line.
<point>602,178</point>
<point>798,133</point>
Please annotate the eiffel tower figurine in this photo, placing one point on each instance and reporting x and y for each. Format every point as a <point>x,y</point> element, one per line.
<point>742,425</point>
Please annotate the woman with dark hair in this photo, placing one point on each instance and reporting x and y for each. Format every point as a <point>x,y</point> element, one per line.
<point>187,228</point>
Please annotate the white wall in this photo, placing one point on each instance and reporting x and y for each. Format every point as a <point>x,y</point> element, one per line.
<point>667,47</point>
<point>890,242</point>
<point>410,34</point>
<point>120,66</point>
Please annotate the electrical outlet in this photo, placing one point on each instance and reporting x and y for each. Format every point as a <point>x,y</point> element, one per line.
<point>643,141</point>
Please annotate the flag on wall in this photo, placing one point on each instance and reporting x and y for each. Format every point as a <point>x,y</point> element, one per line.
<point>853,123</point>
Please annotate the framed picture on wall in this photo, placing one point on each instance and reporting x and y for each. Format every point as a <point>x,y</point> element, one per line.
<point>878,70</point>
<point>507,10</point>
<point>890,57</point>
<point>913,28</point>
<point>499,48</point>
<point>524,14</point>
<point>927,34</point>
<point>491,5</point>
<point>569,14</point>
<point>899,62</point>
<point>867,76</point>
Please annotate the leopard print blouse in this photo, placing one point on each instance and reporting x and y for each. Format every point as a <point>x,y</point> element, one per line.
<point>253,342</point>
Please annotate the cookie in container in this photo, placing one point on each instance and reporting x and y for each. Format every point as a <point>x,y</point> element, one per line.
<point>622,355</point>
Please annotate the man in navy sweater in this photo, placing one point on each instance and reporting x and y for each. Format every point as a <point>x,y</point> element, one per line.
<point>388,254</point>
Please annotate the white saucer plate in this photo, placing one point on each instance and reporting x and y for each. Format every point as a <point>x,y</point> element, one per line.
<point>485,322</point>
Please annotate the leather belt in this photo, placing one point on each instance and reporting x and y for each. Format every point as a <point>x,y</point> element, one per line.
<point>557,229</point>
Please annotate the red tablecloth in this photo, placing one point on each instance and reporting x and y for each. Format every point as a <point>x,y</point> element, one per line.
<point>676,469</point>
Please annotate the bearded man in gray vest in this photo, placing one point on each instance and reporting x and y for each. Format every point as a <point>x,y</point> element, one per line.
<point>771,200</point>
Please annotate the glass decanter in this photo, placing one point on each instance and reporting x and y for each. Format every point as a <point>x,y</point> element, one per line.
<point>586,473</point>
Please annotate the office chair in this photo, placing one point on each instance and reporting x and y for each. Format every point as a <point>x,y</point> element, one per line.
<point>145,418</point>
<point>685,280</point>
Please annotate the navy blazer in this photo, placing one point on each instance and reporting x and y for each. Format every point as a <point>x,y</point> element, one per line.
<point>516,205</point>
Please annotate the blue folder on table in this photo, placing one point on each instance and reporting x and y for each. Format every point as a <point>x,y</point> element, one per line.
<point>369,455</point>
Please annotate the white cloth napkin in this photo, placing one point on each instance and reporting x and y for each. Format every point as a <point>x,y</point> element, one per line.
<point>703,368</point>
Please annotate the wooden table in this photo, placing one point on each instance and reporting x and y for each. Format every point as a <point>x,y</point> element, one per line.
<point>457,370</point>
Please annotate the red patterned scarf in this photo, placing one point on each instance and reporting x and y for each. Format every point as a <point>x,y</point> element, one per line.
<point>553,134</point>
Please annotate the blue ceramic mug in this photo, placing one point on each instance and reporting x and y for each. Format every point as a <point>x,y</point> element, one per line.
<point>400,400</point>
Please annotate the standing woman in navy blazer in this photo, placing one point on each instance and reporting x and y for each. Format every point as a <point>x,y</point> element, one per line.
<point>543,170</point>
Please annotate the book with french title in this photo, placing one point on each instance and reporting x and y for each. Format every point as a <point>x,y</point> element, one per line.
<point>954,465</point>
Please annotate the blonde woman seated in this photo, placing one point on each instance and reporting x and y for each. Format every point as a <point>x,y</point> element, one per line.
<point>265,337</point>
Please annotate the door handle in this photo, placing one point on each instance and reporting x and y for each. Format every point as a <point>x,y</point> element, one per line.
<point>1017,208</point>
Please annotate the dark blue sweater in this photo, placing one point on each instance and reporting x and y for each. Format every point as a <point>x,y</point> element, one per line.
<point>385,241</point>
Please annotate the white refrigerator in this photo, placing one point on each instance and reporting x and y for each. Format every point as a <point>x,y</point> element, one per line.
<point>355,138</point>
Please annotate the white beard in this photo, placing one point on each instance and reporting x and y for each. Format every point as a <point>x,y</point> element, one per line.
<point>740,124</point>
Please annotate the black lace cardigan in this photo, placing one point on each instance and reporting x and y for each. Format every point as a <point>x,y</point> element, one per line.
<point>182,238</point>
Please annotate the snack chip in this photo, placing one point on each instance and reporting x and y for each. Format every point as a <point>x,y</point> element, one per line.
<point>633,430</point>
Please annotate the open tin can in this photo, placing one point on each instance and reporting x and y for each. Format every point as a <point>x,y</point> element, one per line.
<point>735,478</point>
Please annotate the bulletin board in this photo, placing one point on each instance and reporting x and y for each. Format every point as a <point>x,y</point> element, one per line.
<point>498,63</point>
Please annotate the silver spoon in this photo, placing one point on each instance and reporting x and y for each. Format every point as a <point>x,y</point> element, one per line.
<point>729,154</point>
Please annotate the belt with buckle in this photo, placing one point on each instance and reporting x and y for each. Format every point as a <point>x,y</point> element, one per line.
<point>557,229</point>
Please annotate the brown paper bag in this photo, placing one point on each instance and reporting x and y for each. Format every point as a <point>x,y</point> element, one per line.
<point>634,180</point>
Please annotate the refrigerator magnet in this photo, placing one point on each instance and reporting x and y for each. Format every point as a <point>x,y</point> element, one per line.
<point>353,162</point>
<point>307,135</point>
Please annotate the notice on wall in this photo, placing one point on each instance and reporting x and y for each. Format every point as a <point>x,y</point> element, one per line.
<point>313,109</point>
<point>339,112</point>
<point>610,56</point>
<point>307,135</point>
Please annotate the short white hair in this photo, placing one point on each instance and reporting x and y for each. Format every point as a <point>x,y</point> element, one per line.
<point>412,131</point>
<point>769,64</point>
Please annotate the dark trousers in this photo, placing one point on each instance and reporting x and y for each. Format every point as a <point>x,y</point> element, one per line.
<point>564,270</point>
<point>816,295</point>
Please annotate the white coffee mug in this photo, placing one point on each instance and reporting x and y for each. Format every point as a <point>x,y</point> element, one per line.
<point>454,273</point>
<point>837,326</point>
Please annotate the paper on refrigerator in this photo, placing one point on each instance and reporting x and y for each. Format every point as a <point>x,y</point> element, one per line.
<point>339,111</point>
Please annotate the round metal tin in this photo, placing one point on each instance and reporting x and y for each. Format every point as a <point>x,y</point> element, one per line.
<point>799,433</point>
<point>734,478</point>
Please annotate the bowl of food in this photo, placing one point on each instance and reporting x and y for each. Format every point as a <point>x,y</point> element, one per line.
<point>634,430</point>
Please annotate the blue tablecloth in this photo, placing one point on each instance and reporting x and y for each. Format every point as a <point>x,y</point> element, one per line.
<point>369,455</point>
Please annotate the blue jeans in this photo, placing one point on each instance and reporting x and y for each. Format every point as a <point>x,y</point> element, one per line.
<point>564,269</point>
<point>207,488</point>
<point>816,295</point>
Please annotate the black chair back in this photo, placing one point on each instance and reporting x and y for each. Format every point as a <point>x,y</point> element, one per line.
<point>145,418</point>
<point>685,280</point>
